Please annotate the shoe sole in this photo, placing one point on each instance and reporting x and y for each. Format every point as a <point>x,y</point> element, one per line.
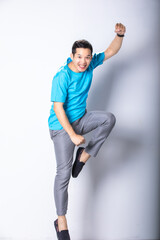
<point>56,228</point>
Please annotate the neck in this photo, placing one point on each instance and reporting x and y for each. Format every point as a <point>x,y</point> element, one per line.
<point>72,67</point>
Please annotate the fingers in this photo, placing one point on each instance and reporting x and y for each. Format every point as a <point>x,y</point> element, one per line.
<point>81,141</point>
<point>77,139</point>
<point>120,28</point>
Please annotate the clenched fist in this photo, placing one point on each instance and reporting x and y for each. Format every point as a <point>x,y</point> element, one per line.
<point>77,139</point>
<point>120,28</point>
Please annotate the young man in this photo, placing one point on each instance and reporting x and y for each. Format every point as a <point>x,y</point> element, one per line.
<point>69,119</point>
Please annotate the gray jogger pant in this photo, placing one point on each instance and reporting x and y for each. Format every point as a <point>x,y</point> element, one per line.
<point>100,121</point>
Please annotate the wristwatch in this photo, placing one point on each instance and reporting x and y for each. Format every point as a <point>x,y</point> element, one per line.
<point>120,35</point>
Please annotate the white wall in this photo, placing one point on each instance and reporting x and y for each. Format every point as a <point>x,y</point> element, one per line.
<point>117,195</point>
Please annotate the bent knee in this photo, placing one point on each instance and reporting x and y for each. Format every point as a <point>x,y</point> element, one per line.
<point>111,119</point>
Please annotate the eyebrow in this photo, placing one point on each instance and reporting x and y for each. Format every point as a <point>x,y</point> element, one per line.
<point>80,55</point>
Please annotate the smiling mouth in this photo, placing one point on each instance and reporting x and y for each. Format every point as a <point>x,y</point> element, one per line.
<point>82,66</point>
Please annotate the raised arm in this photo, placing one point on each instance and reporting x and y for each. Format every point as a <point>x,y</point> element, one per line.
<point>116,44</point>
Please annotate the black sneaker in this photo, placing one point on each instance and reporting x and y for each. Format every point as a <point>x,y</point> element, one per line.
<point>62,235</point>
<point>77,166</point>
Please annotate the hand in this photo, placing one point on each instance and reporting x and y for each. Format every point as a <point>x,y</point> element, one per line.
<point>77,139</point>
<point>120,28</point>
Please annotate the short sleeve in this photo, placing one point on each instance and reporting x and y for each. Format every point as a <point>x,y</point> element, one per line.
<point>97,60</point>
<point>59,88</point>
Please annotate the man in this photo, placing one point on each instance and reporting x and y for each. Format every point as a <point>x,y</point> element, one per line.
<point>69,119</point>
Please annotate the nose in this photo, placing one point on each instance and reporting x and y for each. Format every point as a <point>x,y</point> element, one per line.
<point>83,60</point>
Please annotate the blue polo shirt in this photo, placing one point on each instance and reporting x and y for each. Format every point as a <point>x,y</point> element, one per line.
<point>72,88</point>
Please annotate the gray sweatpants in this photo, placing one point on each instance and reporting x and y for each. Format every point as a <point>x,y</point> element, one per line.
<point>102,122</point>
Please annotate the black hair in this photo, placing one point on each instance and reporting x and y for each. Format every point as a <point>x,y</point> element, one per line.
<point>81,44</point>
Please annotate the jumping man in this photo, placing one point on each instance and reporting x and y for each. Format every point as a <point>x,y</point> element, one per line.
<point>69,119</point>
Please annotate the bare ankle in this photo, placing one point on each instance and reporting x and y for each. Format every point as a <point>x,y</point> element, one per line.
<point>84,157</point>
<point>62,223</point>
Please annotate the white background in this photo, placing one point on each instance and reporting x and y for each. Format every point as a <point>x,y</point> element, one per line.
<point>117,195</point>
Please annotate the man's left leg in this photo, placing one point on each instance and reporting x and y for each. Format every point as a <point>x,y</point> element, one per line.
<point>100,121</point>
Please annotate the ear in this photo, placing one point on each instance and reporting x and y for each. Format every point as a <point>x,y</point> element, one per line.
<point>71,56</point>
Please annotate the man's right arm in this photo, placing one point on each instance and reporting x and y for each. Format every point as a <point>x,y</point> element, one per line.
<point>63,119</point>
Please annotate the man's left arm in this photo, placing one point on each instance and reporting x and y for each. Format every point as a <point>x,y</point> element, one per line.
<point>116,44</point>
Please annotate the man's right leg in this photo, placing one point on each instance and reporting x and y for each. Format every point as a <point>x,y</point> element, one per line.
<point>64,149</point>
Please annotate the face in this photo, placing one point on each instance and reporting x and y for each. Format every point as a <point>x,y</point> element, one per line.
<point>81,59</point>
